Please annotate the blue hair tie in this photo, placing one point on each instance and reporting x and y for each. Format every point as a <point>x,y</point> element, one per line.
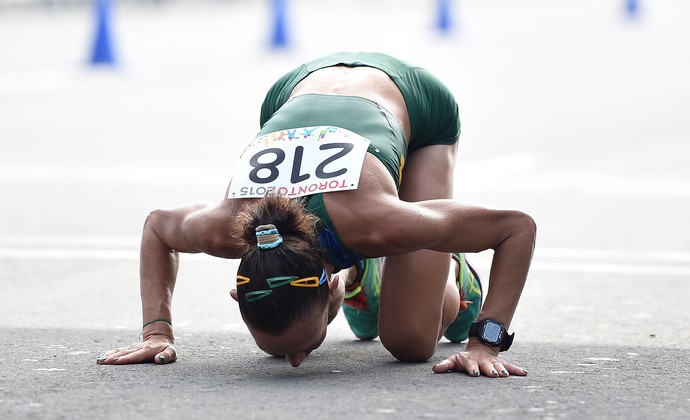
<point>267,237</point>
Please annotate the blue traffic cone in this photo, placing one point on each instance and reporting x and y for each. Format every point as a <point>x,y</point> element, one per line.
<point>632,8</point>
<point>444,22</point>
<point>280,36</point>
<point>103,51</point>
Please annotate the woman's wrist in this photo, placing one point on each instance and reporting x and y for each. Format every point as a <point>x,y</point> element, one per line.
<point>474,342</point>
<point>153,321</point>
<point>158,326</point>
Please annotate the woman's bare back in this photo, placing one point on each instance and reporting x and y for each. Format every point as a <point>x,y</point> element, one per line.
<point>364,82</point>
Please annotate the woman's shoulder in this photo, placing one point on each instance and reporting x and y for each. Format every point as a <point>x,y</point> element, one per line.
<point>357,214</point>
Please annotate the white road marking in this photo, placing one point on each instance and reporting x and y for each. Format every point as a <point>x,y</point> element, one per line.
<point>516,172</point>
<point>613,254</point>
<point>607,261</point>
<point>141,175</point>
<point>660,270</point>
<point>519,173</point>
<point>69,241</point>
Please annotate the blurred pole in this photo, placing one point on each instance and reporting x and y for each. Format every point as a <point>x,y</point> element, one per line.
<point>444,22</point>
<point>280,36</point>
<point>103,52</point>
<point>632,8</point>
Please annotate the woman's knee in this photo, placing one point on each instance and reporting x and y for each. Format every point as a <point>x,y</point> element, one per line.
<point>409,345</point>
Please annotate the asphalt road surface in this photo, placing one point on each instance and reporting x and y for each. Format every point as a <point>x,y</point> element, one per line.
<point>573,112</point>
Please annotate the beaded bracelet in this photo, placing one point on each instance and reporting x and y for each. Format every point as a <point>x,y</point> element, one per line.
<point>157,320</point>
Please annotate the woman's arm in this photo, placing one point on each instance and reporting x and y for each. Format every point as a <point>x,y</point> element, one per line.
<point>388,226</point>
<point>512,235</point>
<point>396,227</point>
<point>193,228</point>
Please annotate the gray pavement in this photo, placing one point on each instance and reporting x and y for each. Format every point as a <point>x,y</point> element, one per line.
<point>570,112</point>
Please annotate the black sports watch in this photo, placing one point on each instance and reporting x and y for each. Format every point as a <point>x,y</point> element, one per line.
<point>492,332</point>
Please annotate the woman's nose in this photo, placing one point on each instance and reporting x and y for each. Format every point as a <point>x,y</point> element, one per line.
<point>296,359</point>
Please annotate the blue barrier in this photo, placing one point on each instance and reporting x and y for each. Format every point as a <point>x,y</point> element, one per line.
<point>444,21</point>
<point>280,37</point>
<point>632,8</point>
<point>103,51</point>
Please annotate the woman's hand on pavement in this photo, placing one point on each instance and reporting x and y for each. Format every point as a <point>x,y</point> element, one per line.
<point>479,359</point>
<point>156,348</point>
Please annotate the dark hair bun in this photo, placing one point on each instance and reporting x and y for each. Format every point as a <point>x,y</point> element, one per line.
<point>288,215</point>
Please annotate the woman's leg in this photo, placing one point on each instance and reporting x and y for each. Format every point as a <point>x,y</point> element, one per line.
<point>362,290</point>
<point>419,298</point>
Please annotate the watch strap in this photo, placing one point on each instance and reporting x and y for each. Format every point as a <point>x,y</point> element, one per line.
<point>474,330</point>
<point>506,341</point>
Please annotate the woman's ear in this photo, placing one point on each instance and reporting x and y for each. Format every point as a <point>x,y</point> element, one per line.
<point>336,288</point>
<point>333,284</point>
<point>336,293</point>
<point>233,293</point>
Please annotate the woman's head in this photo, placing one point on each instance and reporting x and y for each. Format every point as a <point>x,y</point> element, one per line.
<point>281,277</point>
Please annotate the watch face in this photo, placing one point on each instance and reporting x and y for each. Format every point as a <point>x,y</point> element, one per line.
<point>492,332</point>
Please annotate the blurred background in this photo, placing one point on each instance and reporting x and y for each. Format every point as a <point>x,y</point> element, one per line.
<point>576,111</point>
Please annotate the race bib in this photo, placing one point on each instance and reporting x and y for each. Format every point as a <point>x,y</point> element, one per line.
<point>299,162</point>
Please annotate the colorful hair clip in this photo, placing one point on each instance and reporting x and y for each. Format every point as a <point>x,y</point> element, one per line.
<point>274,282</point>
<point>278,281</point>
<point>306,282</point>
<point>267,237</point>
<point>256,295</point>
<point>310,281</point>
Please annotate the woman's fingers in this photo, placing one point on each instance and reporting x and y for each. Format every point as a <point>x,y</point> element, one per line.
<point>499,369</point>
<point>108,357</point>
<point>166,356</point>
<point>488,369</point>
<point>120,356</point>
<point>464,362</point>
<point>458,363</point>
<point>117,351</point>
<point>140,355</point>
<point>514,370</point>
<point>447,365</point>
<point>158,352</point>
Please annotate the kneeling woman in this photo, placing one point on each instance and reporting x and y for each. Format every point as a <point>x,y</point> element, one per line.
<point>304,246</point>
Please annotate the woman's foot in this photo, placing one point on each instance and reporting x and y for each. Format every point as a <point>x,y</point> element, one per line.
<point>470,289</point>
<point>361,304</point>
